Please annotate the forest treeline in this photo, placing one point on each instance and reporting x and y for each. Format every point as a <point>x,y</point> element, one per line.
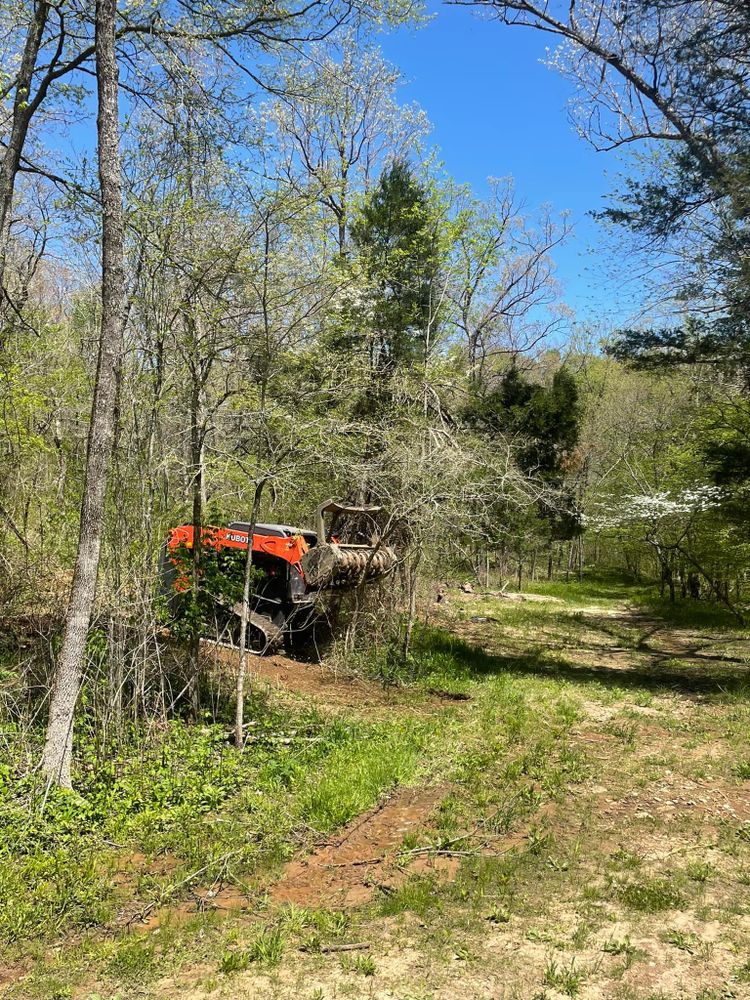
<point>261,289</point>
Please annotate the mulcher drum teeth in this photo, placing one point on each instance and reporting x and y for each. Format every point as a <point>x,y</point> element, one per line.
<point>331,565</point>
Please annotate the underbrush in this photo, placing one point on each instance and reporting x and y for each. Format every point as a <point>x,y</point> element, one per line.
<point>187,804</point>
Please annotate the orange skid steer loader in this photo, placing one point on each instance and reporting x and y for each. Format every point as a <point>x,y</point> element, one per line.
<point>292,567</point>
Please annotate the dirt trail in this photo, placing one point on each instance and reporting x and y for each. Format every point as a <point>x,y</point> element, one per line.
<point>348,870</point>
<point>328,688</point>
<point>635,883</point>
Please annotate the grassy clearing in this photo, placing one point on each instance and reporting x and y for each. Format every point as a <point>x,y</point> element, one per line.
<point>597,821</point>
<point>190,808</point>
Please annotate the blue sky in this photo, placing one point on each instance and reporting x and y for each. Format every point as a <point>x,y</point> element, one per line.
<point>497,111</point>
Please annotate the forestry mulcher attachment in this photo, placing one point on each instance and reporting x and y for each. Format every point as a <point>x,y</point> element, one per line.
<point>292,567</point>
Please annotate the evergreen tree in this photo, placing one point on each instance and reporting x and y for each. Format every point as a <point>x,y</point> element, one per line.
<point>546,420</point>
<point>544,424</point>
<point>399,251</point>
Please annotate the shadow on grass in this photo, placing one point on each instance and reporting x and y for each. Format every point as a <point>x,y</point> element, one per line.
<point>438,650</point>
<point>688,613</point>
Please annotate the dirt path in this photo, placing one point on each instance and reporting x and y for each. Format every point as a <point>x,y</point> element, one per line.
<point>331,690</point>
<point>596,784</point>
<point>360,861</point>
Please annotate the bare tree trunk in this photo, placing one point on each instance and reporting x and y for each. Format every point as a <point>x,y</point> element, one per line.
<point>670,582</point>
<point>56,762</point>
<point>23,110</point>
<point>412,610</point>
<point>116,674</point>
<point>196,462</point>
<point>239,711</point>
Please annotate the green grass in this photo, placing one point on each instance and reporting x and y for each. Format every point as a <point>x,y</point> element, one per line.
<point>363,965</point>
<point>566,978</point>
<point>519,758</point>
<point>650,895</point>
<point>359,771</point>
<point>622,946</point>
<point>703,614</point>
<point>682,941</point>
<point>700,871</point>
<point>594,588</point>
<point>601,588</point>
<point>266,949</point>
<point>419,894</point>
<point>133,959</point>
<point>188,795</point>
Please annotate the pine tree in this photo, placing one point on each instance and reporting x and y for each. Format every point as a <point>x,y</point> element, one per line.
<point>395,240</point>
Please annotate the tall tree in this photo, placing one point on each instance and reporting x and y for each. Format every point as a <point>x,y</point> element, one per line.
<point>337,120</point>
<point>503,291</point>
<point>59,741</point>
<point>397,240</point>
<point>57,46</point>
<point>673,74</point>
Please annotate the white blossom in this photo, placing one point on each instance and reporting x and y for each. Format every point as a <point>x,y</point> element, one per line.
<point>655,507</point>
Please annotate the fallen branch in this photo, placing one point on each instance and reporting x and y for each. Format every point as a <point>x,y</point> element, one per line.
<point>447,853</point>
<point>355,864</point>
<point>358,946</point>
<point>171,890</point>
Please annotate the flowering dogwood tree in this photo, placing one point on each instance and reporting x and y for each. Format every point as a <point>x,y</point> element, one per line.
<point>663,519</point>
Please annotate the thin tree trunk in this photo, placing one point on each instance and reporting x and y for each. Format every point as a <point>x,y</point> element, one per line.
<point>23,110</point>
<point>571,555</point>
<point>116,674</point>
<point>412,611</point>
<point>239,711</point>
<point>196,462</point>
<point>670,582</point>
<point>56,762</point>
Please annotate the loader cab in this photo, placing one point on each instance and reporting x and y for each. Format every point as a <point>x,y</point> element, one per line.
<point>276,531</point>
<point>283,582</point>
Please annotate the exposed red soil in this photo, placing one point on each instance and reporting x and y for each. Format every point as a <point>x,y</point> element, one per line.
<point>222,899</point>
<point>324,685</point>
<point>348,870</point>
<point>12,973</point>
<point>344,872</point>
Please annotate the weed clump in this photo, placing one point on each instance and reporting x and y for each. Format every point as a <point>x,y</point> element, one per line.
<point>650,895</point>
<point>566,978</point>
<point>418,895</point>
<point>364,965</point>
<point>133,960</point>
<point>266,949</point>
